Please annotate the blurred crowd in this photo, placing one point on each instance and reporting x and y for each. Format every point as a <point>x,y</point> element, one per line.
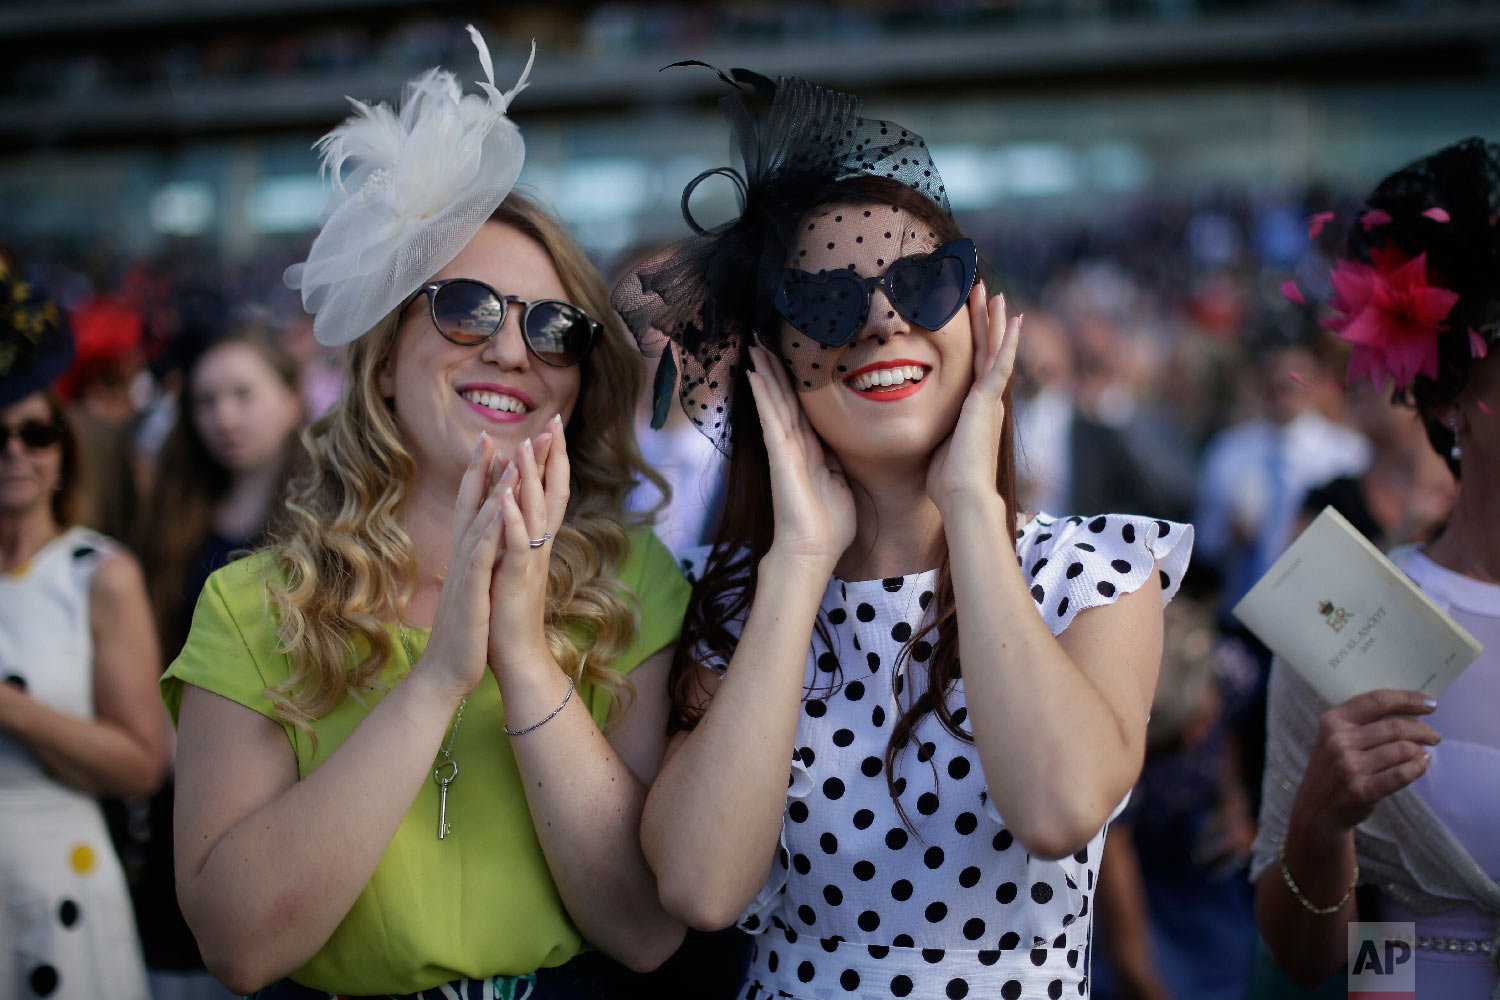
<point>1160,370</point>
<point>172,61</point>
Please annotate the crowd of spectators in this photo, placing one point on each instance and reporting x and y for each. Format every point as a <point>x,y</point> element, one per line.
<point>1160,370</point>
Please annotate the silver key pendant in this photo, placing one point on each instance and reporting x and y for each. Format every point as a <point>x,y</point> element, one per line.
<point>444,774</point>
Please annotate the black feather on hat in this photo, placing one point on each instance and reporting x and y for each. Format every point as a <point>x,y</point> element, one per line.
<point>697,304</point>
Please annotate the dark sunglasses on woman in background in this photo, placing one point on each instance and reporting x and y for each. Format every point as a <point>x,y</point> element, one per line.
<point>469,312</point>
<point>34,434</point>
<point>831,307</point>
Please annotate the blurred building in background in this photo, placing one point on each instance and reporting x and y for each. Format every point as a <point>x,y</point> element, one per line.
<point>150,126</point>
<point>1142,169</point>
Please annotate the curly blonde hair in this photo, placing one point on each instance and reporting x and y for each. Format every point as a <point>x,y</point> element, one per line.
<point>347,568</point>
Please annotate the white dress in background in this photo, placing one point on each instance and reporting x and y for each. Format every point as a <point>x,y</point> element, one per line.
<point>67,931</point>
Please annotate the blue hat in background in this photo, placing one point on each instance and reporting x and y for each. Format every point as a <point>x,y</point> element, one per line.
<point>36,344</point>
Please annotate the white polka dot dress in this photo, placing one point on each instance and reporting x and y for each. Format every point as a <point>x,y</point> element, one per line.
<point>858,903</point>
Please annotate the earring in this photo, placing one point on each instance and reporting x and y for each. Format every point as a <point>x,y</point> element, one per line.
<point>1455,452</point>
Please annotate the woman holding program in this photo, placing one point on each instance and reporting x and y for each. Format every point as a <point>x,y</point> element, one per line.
<point>1385,808</point>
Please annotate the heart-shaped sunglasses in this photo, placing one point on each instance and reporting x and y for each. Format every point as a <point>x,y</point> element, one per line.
<point>831,307</point>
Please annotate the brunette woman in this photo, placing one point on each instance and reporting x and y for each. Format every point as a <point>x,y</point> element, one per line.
<point>887,824</point>
<point>219,478</point>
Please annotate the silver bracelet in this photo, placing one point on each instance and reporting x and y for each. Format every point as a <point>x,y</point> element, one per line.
<point>537,725</point>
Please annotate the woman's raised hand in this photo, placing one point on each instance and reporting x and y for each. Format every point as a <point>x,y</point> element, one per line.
<point>457,648</point>
<point>532,506</point>
<point>966,463</point>
<point>811,501</point>
<point>1366,748</point>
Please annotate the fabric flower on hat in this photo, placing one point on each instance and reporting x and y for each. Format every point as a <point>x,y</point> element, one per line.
<point>411,188</point>
<point>1390,315</point>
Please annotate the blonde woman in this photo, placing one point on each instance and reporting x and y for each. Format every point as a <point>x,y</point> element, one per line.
<point>410,760</point>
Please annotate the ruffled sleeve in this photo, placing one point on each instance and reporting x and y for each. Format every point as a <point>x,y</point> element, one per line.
<point>1076,563</point>
<point>661,593</point>
<point>231,648</point>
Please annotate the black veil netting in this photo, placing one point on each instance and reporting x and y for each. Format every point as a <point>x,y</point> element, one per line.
<point>697,304</point>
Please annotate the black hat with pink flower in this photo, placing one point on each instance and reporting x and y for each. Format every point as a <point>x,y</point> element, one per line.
<point>1418,296</point>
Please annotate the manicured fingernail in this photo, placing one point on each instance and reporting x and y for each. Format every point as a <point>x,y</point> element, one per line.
<point>526,444</point>
<point>1430,702</point>
<point>510,493</point>
<point>510,467</point>
<point>1426,757</point>
<point>557,419</point>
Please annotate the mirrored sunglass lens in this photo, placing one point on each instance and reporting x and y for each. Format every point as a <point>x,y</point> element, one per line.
<point>929,292</point>
<point>467,313</point>
<point>558,333</point>
<point>829,309</point>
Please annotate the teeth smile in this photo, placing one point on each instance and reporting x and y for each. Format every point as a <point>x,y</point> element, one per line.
<point>494,401</point>
<point>886,378</point>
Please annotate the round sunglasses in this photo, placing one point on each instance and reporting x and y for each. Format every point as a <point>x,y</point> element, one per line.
<point>469,312</point>
<point>831,307</point>
<point>34,434</point>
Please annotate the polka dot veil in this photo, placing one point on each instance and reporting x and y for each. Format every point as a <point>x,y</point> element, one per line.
<point>697,304</point>
<point>824,294</point>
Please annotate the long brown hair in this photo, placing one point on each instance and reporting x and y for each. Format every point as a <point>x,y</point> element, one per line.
<point>188,482</point>
<point>347,566</point>
<point>727,584</point>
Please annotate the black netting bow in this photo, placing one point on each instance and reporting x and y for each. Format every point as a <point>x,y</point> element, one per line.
<point>697,304</point>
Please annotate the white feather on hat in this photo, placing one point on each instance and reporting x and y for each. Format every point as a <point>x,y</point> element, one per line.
<point>419,184</point>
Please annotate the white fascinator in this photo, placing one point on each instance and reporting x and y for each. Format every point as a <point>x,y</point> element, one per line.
<point>410,189</point>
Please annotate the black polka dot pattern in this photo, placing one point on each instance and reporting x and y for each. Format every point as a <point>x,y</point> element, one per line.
<point>945,902</point>
<point>1082,563</point>
<point>43,980</point>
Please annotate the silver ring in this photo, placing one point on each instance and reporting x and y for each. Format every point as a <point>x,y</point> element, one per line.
<point>537,543</point>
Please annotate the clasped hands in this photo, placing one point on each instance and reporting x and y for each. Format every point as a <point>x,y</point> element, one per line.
<point>492,605</point>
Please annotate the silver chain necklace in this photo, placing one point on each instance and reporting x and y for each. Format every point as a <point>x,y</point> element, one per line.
<point>445,772</point>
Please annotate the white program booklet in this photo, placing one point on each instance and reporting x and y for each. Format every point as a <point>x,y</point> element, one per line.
<point>1349,621</point>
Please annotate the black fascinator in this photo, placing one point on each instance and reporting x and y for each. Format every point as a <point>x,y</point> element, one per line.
<point>697,304</point>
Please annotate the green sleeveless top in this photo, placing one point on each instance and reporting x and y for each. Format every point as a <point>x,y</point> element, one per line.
<point>479,903</point>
